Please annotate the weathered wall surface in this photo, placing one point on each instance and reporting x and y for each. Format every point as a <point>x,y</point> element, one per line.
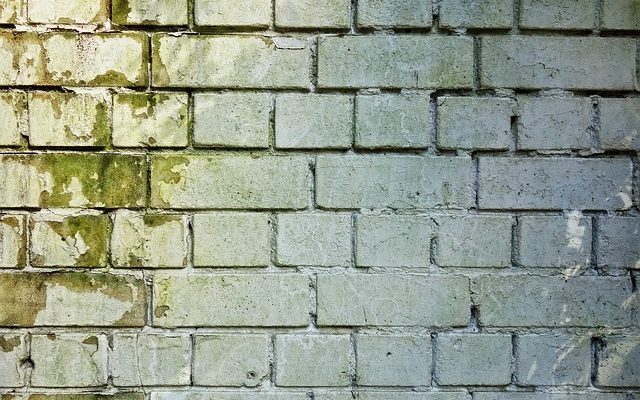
<point>319,199</point>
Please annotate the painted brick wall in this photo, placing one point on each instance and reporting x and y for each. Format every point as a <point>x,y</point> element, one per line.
<point>319,199</point>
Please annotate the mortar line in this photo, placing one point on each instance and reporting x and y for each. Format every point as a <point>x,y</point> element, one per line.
<point>595,124</point>
<point>514,358</point>
<point>598,17</point>
<point>477,56</point>
<point>596,343</point>
<point>516,234</point>
<point>595,228</point>
<point>515,27</point>
<point>434,359</point>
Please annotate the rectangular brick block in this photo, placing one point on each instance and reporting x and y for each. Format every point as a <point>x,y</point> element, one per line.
<point>12,11</point>
<point>230,61</point>
<point>619,242</point>
<point>378,181</point>
<point>227,395</point>
<point>314,121</point>
<point>553,360</point>
<point>524,301</point>
<point>474,123</point>
<point>69,119</point>
<point>71,299</point>
<point>557,14</point>
<point>390,395</point>
<point>13,111</point>
<point>72,59</point>
<point>548,123</point>
<point>555,183</point>
<point>150,120</point>
<point>474,241</point>
<point>72,180</point>
<point>555,242</point>
<point>393,300</point>
<point>404,61</point>
<point>13,350</point>
<point>395,13</point>
<point>312,360</point>
<point>255,13</point>
<point>150,12</point>
<point>314,239</point>
<point>69,360</point>
<point>393,241</point>
<point>231,360</point>
<point>77,396</point>
<point>333,14</point>
<point>619,362</point>
<point>68,11</point>
<point>13,241</point>
<point>150,360</point>
<point>476,14</point>
<point>620,123</point>
<point>184,181</point>
<point>620,15</point>
<point>393,360</point>
<point>232,119</point>
<point>61,239</point>
<point>473,359</point>
<point>528,62</point>
<point>231,240</point>
<point>549,396</point>
<point>148,240</point>
<point>231,300</point>
<point>393,121</point>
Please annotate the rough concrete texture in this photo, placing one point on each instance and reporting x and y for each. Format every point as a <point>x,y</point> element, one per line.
<point>319,199</point>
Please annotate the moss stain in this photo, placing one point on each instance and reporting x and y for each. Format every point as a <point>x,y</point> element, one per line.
<point>93,229</point>
<point>8,344</point>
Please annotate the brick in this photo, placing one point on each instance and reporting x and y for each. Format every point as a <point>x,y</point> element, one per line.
<point>390,395</point>
<point>407,61</point>
<point>150,360</point>
<point>393,300</point>
<point>231,300</point>
<point>71,299</point>
<point>474,241</point>
<point>71,59</point>
<point>554,123</point>
<point>231,360</point>
<point>13,107</point>
<point>393,241</point>
<point>529,62</point>
<point>393,360</point>
<point>620,124</point>
<point>555,183</point>
<point>256,13</point>
<point>555,242</point>
<point>149,240</point>
<point>69,360</point>
<point>314,239</point>
<point>184,181</point>
<point>61,239</point>
<point>69,120</point>
<point>619,362</point>
<point>314,121</point>
<point>619,242</point>
<point>150,12</point>
<point>525,301</point>
<point>12,11</point>
<point>232,119</point>
<point>231,240</point>
<point>395,13</point>
<point>313,13</point>
<point>13,242</point>
<point>553,360</point>
<point>473,359</point>
<point>226,395</point>
<point>474,123</point>
<point>476,14</point>
<point>230,62</point>
<point>72,180</point>
<point>393,121</point>
<point>13,349</point>
<point>68,11</point>
<point>548,396</point>
<point>620,15</point>
<point>557,14</point>
<point>77,396</point>
<point>150,120</point>
<point>312,360</point>
<point>404,182</point>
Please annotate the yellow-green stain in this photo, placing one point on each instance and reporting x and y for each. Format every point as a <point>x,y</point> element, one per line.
<point>94,231</point>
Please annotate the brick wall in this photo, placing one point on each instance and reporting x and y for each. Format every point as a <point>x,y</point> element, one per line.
<point>319,199</point>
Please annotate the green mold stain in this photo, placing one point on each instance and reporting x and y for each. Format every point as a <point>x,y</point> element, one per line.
<point>155,220</point>
<point>120,10</point>
<point>94,230</point>
<point>8,344</point>
<point>163,168</point>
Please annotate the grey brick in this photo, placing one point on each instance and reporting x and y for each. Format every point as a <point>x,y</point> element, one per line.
<point>493,14</point>
<point>620,15</point>
<point>619,242</point>
<point>390,395</point>
<point>620,123</point>
<point>548,396</point>
<point>395,13</point>
<point>227,395</point>
<point>557,14</point>
<point>312,13</point>
<point>619,362</point>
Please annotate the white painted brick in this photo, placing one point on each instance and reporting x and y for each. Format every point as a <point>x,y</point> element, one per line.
<point>390,395</point>
<point>256,13</point>
<point>150,12</point>
<point>13,107</point>
<point>13,241</point>
<point>13,350</point>
<point>68,11</point>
